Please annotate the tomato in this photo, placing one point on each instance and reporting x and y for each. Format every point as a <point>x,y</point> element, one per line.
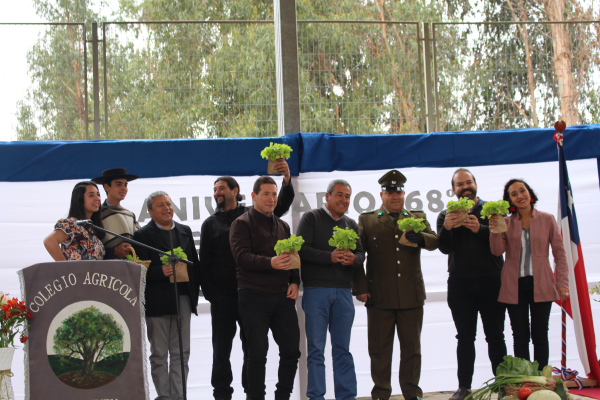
<point>524,393</point>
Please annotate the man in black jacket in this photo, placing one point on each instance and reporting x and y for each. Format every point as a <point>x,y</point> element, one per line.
<point>161,307</point>
<point>327,274</point>
<point>473,282</point>
<point>218,276</point>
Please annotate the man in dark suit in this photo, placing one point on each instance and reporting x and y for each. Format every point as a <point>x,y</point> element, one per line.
<point>393,288</point>
<point>161,307</point>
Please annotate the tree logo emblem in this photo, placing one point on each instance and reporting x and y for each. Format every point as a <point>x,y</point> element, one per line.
<point>88,345</point>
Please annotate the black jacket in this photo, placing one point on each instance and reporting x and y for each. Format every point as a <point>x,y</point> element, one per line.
<point>469,254</point>
<point>217,265</point>
<point>160,292</point>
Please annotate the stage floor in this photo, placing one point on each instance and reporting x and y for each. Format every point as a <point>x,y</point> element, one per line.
<point>428,396</point>
<point>447,395</point>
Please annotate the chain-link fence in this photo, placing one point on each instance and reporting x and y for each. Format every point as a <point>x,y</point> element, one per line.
<point>516,75</point>
<point>360,77</point>
<point>205,79</point>
<point>43,80</point>
<point>190,79</point>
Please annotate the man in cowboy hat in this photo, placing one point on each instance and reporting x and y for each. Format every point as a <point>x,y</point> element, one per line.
<point>114,217</point>
<point>393,288</point>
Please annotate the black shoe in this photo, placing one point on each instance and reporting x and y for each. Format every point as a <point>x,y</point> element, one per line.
<point>417,398</point>
<point>460,394</point>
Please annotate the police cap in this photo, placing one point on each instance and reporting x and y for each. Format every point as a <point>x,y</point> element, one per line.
<point>392,181</point>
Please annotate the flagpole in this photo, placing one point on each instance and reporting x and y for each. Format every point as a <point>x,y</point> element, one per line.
<point>563,361</point>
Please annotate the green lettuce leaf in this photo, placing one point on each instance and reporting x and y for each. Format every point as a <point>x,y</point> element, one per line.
<point>462,204</point>
<point>413,224</point>
<point>178,252</point>
<point>494,207</point>
<point>286,245</point>
<point>343,239</point>
<point>276,151</point>
<point>518,366</point>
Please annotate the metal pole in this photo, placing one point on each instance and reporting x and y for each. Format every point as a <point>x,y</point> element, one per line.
<point>286,67</point>
<point>563,360</point>
<point>421,88</point>
<point>428,86</point>
<point>105,94</point>
<point>436,93</point>
<point>85,84</point>
<point>96,81</point>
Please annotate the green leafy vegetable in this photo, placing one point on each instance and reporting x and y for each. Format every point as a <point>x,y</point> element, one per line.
<point>178,252</point>
<point>276,151</point>
<point>343,239</point>
<point>286,245</point>
<point>511,372</point>
<point>413,224</point>
<point>129,257</point>
<point>462,204</point>
<point>494,207</point>
<point>518,366</point>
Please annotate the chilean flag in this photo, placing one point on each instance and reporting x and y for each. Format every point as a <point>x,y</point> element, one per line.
<point>578,306</point>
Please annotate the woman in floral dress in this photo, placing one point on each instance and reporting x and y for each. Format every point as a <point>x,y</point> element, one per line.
<point>71,242</point>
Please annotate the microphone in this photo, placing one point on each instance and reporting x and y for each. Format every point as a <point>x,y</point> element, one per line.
<point>83,222</point>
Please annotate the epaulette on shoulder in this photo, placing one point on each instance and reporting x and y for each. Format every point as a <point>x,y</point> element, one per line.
<point>368,212</point>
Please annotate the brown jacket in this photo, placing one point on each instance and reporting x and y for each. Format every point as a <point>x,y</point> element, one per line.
<point>394,277</point>
<point>543,233</point>
<point>253,237</point>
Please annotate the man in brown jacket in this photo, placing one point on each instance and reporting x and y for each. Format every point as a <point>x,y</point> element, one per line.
<point>393,288</point>
<point>267,291</point>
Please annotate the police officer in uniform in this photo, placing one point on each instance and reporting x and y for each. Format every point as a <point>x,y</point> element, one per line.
<point>393,288</point>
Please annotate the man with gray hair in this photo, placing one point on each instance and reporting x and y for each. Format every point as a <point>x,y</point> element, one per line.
<point>327,274</point>
<point>161,306</point>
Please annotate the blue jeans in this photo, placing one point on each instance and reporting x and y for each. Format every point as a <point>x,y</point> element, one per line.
<point>329,307</point>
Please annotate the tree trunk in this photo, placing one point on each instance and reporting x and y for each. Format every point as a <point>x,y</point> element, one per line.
<point>562,62</point>
<point>525,36</point>
<point>88,367</point>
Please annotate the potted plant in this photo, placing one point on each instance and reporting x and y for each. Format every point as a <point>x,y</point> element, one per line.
<point>12,323</point>
<point>274,152</point>
<point>180,267</point>
<point>462,207</point>
<point>410,224</point>
<point>290,246</point>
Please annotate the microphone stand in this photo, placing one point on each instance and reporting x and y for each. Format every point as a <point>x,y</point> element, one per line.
<point>173,260</point>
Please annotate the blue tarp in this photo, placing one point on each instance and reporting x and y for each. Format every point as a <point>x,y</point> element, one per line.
<point>313,152</point>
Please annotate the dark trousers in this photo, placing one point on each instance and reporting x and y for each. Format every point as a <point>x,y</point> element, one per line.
<point>407,322</point>
<point>519,322</point>
<point>224,317</point>
<point>260,312</point>
<point>467,298</point>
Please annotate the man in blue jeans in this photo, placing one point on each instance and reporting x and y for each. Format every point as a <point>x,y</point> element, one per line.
<point>327,301</point>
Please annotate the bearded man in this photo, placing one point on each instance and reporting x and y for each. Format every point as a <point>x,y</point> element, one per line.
<point>218,276</point>
<point>473,282</point>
